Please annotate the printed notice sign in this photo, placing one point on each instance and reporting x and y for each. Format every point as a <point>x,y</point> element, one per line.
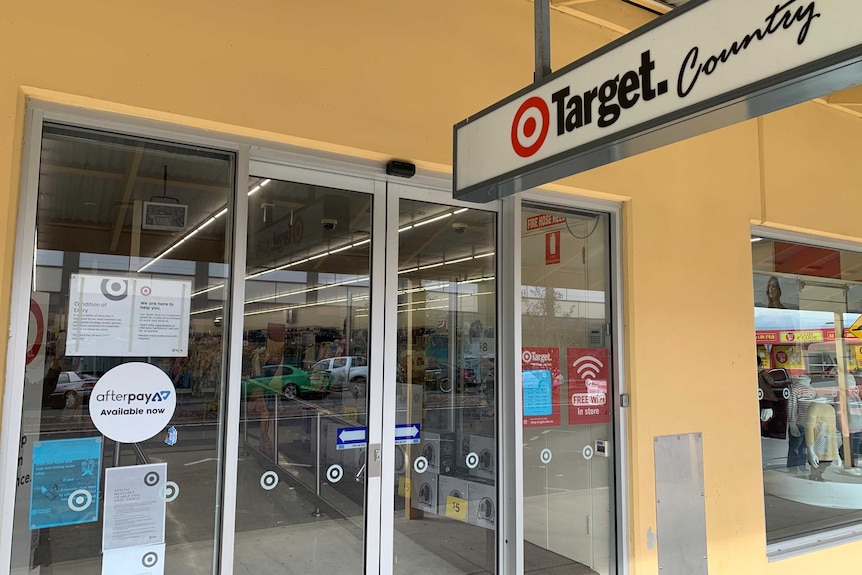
<point>64,484</point>
<point>134,506</point>
<point>588,385</point>
<point>540,368</point>
<point>124,316</point>
<point>144,560</point>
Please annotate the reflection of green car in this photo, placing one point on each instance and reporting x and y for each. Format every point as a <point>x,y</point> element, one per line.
<point>288,382</point>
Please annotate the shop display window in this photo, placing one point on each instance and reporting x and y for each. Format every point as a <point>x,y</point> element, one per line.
<point>123,389</point>
<point>808,338</point>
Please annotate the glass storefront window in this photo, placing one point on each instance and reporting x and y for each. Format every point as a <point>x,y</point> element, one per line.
<point>120,456</point>
<point>445,501</point>
<point>567,391</point>
<point>305,370</point>
<point>808,339</point>
<point>126,434</point>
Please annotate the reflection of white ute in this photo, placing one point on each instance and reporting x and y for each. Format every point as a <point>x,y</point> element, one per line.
<point>352,369</point>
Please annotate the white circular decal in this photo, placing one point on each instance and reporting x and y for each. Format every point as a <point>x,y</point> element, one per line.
<point>170,491</point>
<point>420,465</point>
<point>587,452</point>
<point>269,480</point>
<point>334,473</point>
<point>132,402</point>
<point>472,460</point>
<point>546,455</point>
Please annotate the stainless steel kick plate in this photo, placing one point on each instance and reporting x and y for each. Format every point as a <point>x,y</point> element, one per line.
<point>680,504</point>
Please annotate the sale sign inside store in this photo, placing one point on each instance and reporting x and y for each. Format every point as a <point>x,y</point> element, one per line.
<point>540,369</point>
<point>589,401</point>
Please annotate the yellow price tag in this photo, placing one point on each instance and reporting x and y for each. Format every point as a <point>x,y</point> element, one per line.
<point>403,487</point>
<point>456,508</point>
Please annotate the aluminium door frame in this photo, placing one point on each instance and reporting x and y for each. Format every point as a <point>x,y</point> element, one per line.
<point>620,499</point>
<point>290,170</point>
<point>37,113</point>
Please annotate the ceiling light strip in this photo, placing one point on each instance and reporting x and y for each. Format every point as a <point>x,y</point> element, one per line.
<point>207,222</point>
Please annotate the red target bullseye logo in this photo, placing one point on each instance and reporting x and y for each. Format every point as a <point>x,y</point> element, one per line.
<point>39,320</point>
<point>530,127</point>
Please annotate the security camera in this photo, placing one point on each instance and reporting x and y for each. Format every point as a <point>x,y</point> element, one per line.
<point>459,228</point>
<point>328,224</point>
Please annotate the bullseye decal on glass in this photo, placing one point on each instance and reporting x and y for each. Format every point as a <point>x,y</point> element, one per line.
<point>269,480</point>
<point>530,127</point>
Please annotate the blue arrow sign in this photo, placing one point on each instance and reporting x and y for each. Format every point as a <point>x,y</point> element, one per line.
<point>351,438</point>
<point>407,433</point>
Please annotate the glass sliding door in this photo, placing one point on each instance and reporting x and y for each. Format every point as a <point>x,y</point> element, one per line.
<point>443,298</point>
<point>301,486</point>
<point>567,391</point>
<point>124,375</point>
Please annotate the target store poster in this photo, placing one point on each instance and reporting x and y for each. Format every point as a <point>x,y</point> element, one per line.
<point>128,317</point>
<point>540,370</point>
<point>589,401</point>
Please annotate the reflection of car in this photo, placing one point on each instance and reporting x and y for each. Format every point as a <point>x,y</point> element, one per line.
<point>352,369</point>
<point>438,375</point>
<point>288,382</point>
<point>72,389</point>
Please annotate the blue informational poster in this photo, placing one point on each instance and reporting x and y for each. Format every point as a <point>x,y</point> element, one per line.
<point>65,482</point>
<point>537,392</point>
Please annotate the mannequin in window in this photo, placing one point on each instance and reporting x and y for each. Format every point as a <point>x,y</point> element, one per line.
<point>821,437</point>
<point>767,397</point>
<point>801,396</point>
<point>773,293</point>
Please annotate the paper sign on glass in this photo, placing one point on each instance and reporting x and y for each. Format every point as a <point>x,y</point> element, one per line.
<point>144,560</point>
<point>540,368</point>
<point>537,392</point>
<point>134,506</point>
<point>65,482</point>
<point>128,317</point>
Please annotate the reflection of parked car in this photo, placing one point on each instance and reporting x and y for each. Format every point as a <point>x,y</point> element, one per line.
<point>72,389</point>
<point>438,375</point>
<point>289,382</point>
<point>351,369</point>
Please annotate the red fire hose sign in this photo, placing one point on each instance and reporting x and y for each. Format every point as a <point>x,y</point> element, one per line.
<point>37,331</point>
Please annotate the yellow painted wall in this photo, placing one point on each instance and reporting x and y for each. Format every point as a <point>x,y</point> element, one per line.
<point>389,78</point>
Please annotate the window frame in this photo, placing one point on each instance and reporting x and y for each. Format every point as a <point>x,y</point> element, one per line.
<point>829,538</point>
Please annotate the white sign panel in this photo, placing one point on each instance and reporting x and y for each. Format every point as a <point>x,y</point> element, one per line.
<point>145,560</point>
<point>134,506</point>
<point>691,60</point>
<point>132,402</point>
<point>124,316</point>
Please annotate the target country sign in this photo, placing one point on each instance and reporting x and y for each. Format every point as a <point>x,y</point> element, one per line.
<point>711,62</point>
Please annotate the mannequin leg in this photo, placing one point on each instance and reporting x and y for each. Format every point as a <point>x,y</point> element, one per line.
<point>796,456</point>
<point>817,472</point>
